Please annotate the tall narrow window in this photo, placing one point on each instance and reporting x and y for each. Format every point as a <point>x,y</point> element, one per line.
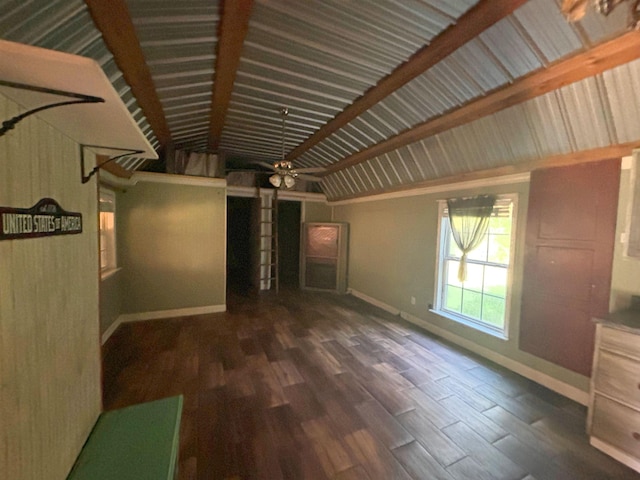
<point>108,259</point>
<point>482,299</point>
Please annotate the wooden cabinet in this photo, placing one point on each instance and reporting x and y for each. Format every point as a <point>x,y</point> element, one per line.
<point>614,410</point>
<point>324,257</point>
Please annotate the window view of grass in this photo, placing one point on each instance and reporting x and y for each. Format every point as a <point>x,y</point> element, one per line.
<point>482,296</point>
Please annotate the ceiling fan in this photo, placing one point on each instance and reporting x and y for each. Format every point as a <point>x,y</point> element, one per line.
<point>574,10</point>
<point>285,173</point>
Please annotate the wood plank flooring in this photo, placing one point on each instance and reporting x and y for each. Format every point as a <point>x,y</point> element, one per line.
<point>317,386</point>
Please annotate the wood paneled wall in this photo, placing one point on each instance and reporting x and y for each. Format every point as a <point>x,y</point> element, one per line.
<point>49,341</point>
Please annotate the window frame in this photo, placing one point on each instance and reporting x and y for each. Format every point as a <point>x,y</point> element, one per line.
<point>438,308</point>
<point>107,195</point>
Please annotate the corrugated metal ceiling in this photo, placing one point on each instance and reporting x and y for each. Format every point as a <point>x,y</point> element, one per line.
<point>316,57</point>
<point>533,37</point>
<point>592,113</point>
<point>319,56</point>
<point>179,41</point>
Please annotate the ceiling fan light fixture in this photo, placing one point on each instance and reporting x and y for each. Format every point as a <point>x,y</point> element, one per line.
<point>275,180</point>
<point>289,181</point>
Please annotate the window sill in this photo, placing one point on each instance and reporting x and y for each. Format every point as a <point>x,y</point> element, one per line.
<point>471,324</point>
<point>104,274</point>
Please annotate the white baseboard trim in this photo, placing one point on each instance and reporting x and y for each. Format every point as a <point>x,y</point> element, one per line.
<point>373,301</point>
<point>160,314</point>
<point>176,312</point>
<point>551,383</point>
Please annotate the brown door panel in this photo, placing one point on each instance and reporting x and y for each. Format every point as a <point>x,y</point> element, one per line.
<point>568,258</point>
<point>559,333</point>
<point>560,272</point>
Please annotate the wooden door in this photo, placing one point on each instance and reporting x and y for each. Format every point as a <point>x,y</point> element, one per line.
<point>568,258</point>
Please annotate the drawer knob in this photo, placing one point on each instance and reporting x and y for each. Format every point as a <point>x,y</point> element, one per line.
<point>636,436</point>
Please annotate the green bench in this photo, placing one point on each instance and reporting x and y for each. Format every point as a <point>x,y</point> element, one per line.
<point>134,443</point>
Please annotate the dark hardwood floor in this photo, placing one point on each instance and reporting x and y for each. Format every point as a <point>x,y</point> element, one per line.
<point>317,386</point>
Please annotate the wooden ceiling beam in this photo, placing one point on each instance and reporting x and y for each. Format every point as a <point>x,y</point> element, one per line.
<point>234,26</point>
<point>479,18</point>
<point>583,65</point>
<point>113,20</point>
<point>562,160</point>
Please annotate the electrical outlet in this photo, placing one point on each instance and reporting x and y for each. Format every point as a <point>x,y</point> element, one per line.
<point>413,300</point>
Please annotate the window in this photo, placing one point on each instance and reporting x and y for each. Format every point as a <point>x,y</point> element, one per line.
<point>108,262</point>
<point>482,300</point>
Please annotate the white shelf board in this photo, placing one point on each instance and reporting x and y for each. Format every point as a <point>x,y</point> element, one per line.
<point>109,123</point>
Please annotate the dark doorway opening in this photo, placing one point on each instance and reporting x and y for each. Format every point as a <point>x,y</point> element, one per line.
<point>242,260</point>
<point>239,245</point>
<point>289,243</point>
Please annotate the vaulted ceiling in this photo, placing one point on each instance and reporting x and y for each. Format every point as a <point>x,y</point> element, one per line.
<point>384,94</point>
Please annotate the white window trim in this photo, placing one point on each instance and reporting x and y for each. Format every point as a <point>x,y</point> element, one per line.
<point>464,320</point>
<point>105,273</point>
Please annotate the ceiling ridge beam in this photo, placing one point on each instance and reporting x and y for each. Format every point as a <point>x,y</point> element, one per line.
<point>113,20</point>
<point>560,160</point>
<point>598,59</point>
<point>234,25</point>
<point>479,18</point>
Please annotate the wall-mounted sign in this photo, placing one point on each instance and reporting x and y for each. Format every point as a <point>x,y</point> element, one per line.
<point>44,219</point>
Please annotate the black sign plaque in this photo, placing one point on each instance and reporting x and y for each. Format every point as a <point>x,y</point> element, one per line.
<point>46,218</point>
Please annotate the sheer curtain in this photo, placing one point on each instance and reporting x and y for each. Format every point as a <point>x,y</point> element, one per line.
<point>469,220</point>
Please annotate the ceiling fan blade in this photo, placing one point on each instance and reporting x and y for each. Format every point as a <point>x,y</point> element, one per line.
<point>246,170</point>
<point>310,170</point>
<point>309,178</point>
<point>264,164</point>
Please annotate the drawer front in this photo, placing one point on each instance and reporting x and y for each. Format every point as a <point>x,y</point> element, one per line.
<point>618,377</point>
<point>621,341</point>
<point>617,425</point>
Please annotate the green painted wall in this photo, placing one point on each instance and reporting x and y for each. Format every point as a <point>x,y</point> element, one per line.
<point>316,212</point>
<point>392,257</point>
<point>110,300</point>
<point>171,246</point>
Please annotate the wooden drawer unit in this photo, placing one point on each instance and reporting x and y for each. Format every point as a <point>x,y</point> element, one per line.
<point>620,341</point>
<point>617,425</point>
<point>614,409</point>
<point>619,377</point>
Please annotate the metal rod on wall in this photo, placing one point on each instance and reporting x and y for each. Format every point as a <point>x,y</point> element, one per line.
<point>10,124</point>
<point>86,177</point>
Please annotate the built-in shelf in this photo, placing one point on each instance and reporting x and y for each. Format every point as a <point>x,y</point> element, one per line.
<point>108,123</point>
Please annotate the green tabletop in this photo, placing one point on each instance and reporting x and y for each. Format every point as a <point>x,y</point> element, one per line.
<point>134,443</point>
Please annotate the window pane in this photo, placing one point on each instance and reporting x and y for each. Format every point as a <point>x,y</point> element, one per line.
<point>500,225</point>
<point>495,281</point>
<point>452,273</point>
<point>472,304</point>
<point>474,279</point>
<point>107,231</point>
<point>452,250</point>
<point>480,252</point>
<point>453,296</point>
<point>482,297</point>
<point>493,311</point>
<point>499,248</point>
